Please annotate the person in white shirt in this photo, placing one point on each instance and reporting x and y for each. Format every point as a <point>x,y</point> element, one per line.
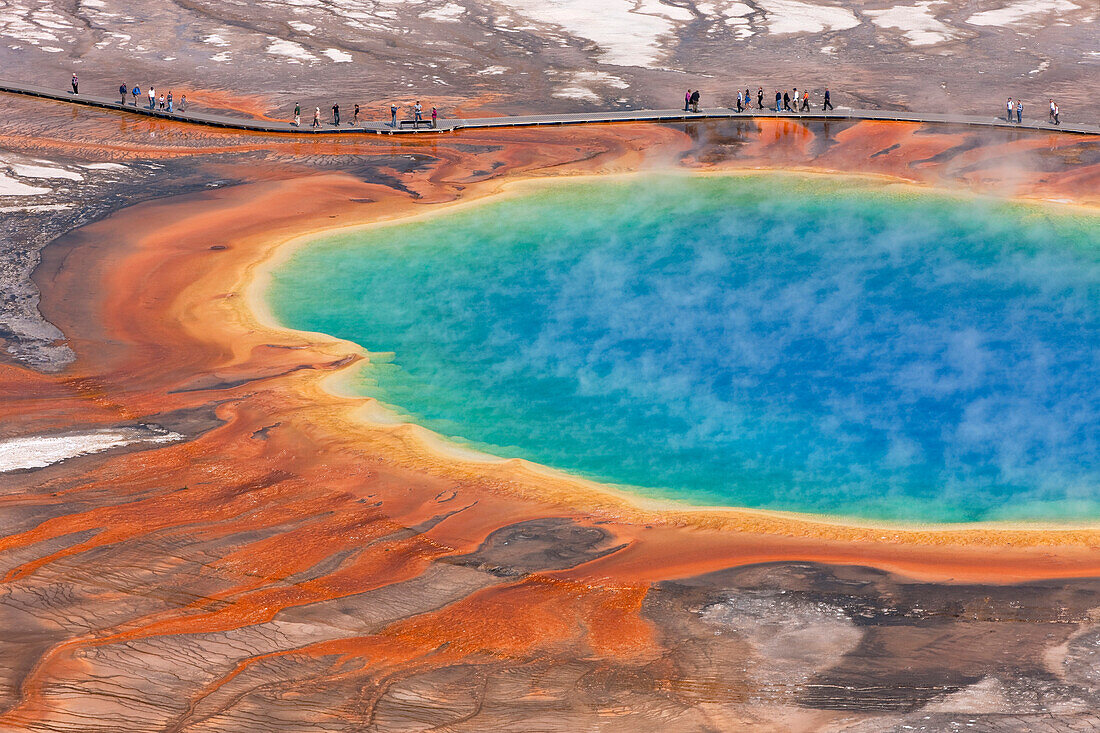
<point>152,97</point>
<point>1009,109</point>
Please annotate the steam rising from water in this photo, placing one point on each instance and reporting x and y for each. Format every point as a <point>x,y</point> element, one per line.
<point>767,342</point>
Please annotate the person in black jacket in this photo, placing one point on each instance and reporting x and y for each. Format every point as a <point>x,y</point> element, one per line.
<point>122,93</point>
<point>828,104</point>
<point>336,114</point>
<point>695,101</point>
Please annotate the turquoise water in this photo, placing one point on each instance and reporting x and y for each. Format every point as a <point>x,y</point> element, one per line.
<point>810,345</point>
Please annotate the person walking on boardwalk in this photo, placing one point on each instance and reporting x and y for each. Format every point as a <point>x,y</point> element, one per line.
<point>75,84</point>
<point>1009,110</point>
<point>760,98</point>
<point>122,93</point>
<point>316,116</point>
<point>161,102</point>
<point>183,103</point>
<point>1056,112</point>
<point>136,91</point>
<point>1019,112</point>
<point>828,103</point>
<point>787,102</point>
<point>1052,107</point>
<point>297,113</point>
<point>778,101</point>
<point>695,101</point>
<point>794,96</point>
<point>169,101</point>
<point>336,114</point>
<point>739,101</point>
<point>355,116</point>
<point>152,97</point>
<point>393,115</point>
<point>687,100</point>
<point>418,115</point>
<point>805,101</point>
<point>435,117</point>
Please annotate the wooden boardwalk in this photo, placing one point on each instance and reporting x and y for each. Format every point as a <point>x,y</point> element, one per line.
<point>582,118</point>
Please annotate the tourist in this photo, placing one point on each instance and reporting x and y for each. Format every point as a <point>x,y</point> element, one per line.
<point>695,101</point>
<point>336,114</point>
<point>435,117</point>
<point>748,99</point>
<point>787,102</point>
<point>687,100</point>
<point>183,103</point>
<point>355,116</point>
<point>161,101</point>
<point>75,84</point>
<point>739,101</point>
<point>1052,111</point>
<point>418,115</point>
<point>760,97</point>
<point>137,92</point>
<point>1009,110</point>
<point>152,97</point>
<point>169,101</point>
<point>297,114</point>
<point>805,101</point>
<point>1019,112</point>
<point>393,115</point>
<point>1056,112</point>
<point>828,104</point>
<point>316,116</point>
<point>794,96</point>
<point>778,101</point>
<point>122,90</point>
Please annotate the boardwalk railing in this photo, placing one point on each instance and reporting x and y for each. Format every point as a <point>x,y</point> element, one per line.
<point>582,118</point>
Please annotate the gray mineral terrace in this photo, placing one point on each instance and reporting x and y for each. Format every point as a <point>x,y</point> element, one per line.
<point>409,127</point>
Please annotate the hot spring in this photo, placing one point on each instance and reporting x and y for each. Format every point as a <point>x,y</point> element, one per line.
<point>819,345</point>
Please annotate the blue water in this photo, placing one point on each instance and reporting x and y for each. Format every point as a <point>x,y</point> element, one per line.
<point>811,345</point>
